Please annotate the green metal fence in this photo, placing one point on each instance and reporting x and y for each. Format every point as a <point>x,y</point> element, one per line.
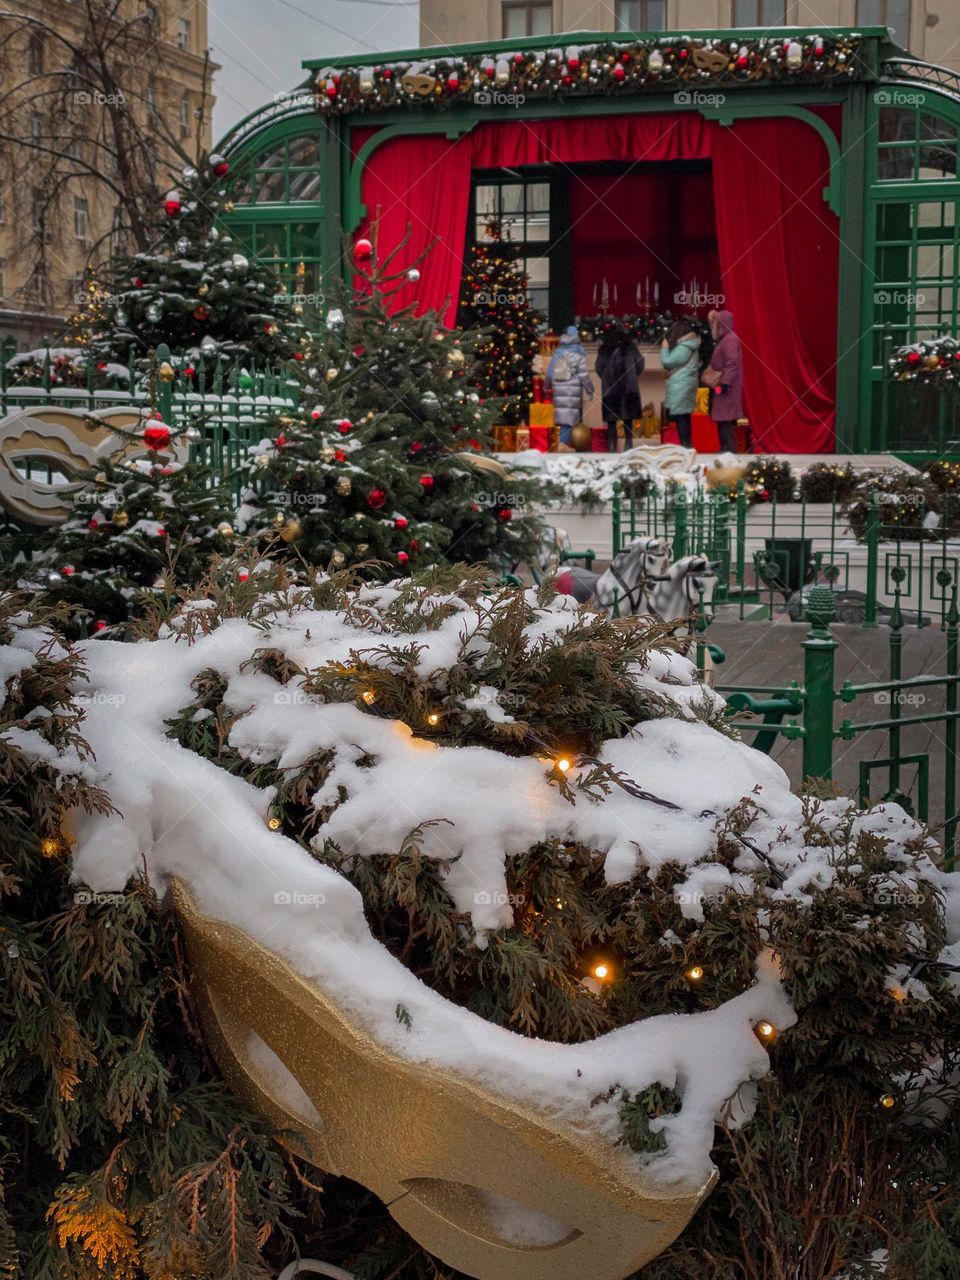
<point>923,782</point>
<point>770,553</point>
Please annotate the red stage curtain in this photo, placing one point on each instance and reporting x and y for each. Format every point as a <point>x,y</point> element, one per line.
<point>779,255</point>
<point>778,241</point>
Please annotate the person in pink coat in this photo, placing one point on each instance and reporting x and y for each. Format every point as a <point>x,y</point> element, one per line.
<point>726,402</point>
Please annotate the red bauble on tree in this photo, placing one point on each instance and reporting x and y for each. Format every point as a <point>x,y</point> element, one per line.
<point>344,425</point>
<point>201,312</point>
<point>505,514</point>
<point>157,436</point>
<point>401,522</point>
<point>376,499</point>
<point>402,557</point>
<point>362,250</point>
<point>427,483</point>
<point>173,204</point>
<point>219,166</point>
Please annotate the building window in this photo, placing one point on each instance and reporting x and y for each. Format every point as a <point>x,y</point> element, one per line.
<point>886,13</point>
<point>35,53</point>
<point>36,126</point>
<point>527,20</point>
<point>38,215</point>
<point>759,13</point>
<point>183,34</point>
<point>641,15</point>
<point>150,99</point>
<point>81,219</point>
<point>150,14</point>
<point>522,210</point>
<point>184,115</point>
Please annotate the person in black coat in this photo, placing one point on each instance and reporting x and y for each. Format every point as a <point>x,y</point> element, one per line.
<point>619,366</point>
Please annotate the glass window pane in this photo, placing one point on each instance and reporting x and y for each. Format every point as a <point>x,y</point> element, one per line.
<point>541,20</point>
<point>895,164</point>
<point>487,199</point>
<point>271,186</point>
<point>893,264</point>
<point>744,13</point>
<point>898,17</point>
<point>869,13</point>
<point>514,21</point>
<point>538,196</point>
<point>897,124</point>
<point>538,226</point>
<point>305,240</point>
<point>538,269</point>
<point>934,261</point>
<point>893,221</point>
<point>772,13</point>
<point>628,15</point>
<point>305,186</point>
<point>304,152</point>
<point>938,162</point>
<point>271,241</point>
<point>511,195</point>
<point>935,214</point>
<point>655,18</point>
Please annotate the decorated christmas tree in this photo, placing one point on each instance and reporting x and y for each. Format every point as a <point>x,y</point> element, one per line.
<point>389,457</point>
<point>194,290</point>
<point>145,522</point>
<point>494,302</point>
<point>514,847</point>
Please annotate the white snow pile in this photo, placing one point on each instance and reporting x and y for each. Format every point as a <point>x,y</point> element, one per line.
<point>181,815</point>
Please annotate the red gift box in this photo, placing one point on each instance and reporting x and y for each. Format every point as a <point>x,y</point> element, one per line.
<point>598,439</point>
<point>540,439</point>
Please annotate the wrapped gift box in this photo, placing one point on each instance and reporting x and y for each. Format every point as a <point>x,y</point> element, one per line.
<point>540,439</point>
<point>541,415</point>
<point>598,440</point>
<point>505,439</point>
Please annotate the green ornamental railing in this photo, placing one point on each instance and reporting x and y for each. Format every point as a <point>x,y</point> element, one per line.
<point>771,554</point>
<point>811,706</point>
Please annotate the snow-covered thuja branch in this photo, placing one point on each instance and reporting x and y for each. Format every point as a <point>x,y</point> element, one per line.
<point>304,744</point>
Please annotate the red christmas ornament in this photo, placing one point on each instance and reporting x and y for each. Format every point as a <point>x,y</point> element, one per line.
<point>505,514</point>
<point>743,61</point>
<point>618,72</point>
<point>99,625</point>
<point>298,355</point>
<point>416,446</point>
<point>201,312</point>
<point>402,557</point>
<point>625,55</point>
<point>219,166</point>
<point>331,89</point>
<point>316,413</point>
<point>474,444</point>
<point>172,205</point>
<point>518,58</point>
<point>684,55</point>
<point>362,250</point>
<point>388,73</point>
<point>414,545</point>
<point>427,483</point>
<point>376,499</point>
<point>243,575</point>
<point>339,455</point>
<point>280,441</point>
<point>157,437</point>
<point>68,571</point>
<point>453,82</point>
<point>401,522</point>
<point>913,357</point>
<point>101,365</point>
<point>359,351</point>
<point>161,531</point>
<point>573,63</point>
<point>189,371</point>
<point>138,283</point>
<point>568,80</point>
<point>93,524</point>
<point>344,425</point>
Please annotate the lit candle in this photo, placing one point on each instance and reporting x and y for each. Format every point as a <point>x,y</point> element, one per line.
<point>594,295</point>
<point>656,293</point>
<point>638,293</point>
<point>615,295</point>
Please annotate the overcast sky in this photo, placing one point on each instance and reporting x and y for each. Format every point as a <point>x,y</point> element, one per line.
<point>261,43</point>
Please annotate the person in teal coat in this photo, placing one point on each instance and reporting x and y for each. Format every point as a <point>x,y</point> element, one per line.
<point>680,356</point>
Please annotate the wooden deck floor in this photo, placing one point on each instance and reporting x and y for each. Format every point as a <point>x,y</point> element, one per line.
<point>771,654</point>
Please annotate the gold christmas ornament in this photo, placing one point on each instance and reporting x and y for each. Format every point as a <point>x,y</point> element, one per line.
<point>261,460</point>
<point>203,290</point>
<point>363,548</point>
<point>328,454</point>
<point>279,520</point>
<point>291,530</point>
<point>338,559</point>
<point>121,519</point>
<point>330,374</point>
<point>344,485</point>
<point>51,848</point>
<point>225,529</point>
<point>435,1146</point>
<point>456,358</point>
<point>166,372</point>
<point>228,206</point>
<point>581,437</point>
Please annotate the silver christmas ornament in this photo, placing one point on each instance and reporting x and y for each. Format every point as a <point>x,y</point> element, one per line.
<point>240,262</point>
<point>153,312</point>
<point>413,275</point>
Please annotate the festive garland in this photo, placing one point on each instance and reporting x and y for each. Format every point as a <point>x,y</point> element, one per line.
<point>936,360</point>
<point>642,328</point>
<point>610,67</point>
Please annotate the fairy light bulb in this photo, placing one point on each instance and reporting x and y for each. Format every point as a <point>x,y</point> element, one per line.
<point>887,1101</point>
<point>274,823</point>
<point>49,847</point>
<point>602,971</point>
<point>563,764</point>
<point>765,1031</point>
<point>898,993</point>
<point>433,718</point>
<point>694,973</point>
<point>368,696</point>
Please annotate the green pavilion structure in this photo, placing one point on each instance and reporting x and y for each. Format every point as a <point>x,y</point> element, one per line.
<point>805,180</point>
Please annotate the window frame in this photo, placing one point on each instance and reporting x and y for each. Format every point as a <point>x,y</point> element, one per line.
<point>554,247</point>
<point>184,34</point>
<point>527,7</point>
<point>81,218</point>
<point>757,20</point>
<point>884,19</point>
<point>645,23</point>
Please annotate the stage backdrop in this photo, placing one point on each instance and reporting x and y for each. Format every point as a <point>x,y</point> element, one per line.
<point>778,241</point>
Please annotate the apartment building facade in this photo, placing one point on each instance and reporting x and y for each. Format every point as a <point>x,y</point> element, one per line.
<point>67,141</point>
<point>930,29</point>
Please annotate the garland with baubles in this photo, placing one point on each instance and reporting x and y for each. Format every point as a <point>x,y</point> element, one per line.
<point>610,67</point>
<point>935,360</point>
<point>641,328</point>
